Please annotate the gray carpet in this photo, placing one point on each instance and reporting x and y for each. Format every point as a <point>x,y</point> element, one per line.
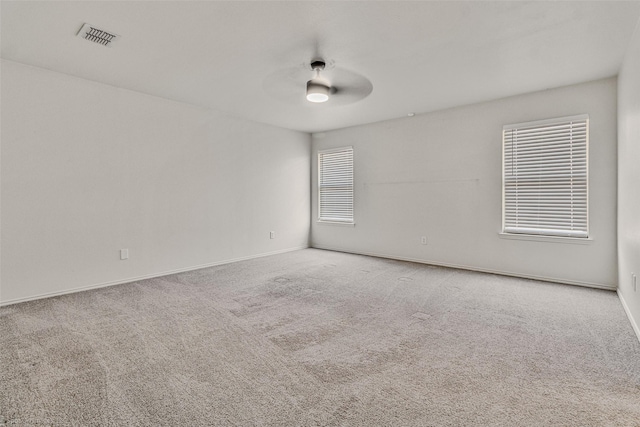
<point>318,338</point>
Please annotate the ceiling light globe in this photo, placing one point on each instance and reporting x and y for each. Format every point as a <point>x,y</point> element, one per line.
<point>317,92</point>
<point>317,97</point>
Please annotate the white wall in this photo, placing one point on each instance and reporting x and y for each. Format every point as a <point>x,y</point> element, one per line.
<point>88,169</point>
<point>439,175</point>
<point>629,180</point>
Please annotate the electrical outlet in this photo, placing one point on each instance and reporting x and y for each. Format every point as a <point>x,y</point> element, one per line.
<point>272,234</point>
<point>423,240</point>
<point>124,254</point>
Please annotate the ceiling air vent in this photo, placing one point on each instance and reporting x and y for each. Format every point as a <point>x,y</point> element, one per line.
<point>96,35</point>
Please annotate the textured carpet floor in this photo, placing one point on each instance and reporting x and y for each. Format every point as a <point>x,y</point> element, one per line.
<point>321,338</point>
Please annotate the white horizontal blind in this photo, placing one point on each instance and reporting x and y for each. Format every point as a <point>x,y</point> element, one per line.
<point>335,185</point>
<point>545,180</point>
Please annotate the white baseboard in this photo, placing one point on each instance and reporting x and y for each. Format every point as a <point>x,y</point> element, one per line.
<point>634,324</point>
<point>147,276</point>
<point>465,267</point>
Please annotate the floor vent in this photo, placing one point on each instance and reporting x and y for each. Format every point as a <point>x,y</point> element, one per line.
<point>96,35</point>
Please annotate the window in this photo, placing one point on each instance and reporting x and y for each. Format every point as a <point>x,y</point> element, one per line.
<point>335,185</point>
<point>545,179</point>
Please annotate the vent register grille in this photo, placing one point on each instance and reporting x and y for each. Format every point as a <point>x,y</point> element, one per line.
<point>96,35</point>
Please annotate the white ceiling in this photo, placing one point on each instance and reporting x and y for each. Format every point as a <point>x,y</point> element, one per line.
<point>419,56</point>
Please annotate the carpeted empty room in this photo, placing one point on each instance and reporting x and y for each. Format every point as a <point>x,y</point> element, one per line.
<point>319,213</point>
<point>314,337</point>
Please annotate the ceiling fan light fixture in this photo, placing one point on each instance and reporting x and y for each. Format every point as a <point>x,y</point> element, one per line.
<point>317,91</point>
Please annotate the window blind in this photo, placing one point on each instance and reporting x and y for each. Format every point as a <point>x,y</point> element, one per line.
<point>545,179</point>
<point>335,185</point>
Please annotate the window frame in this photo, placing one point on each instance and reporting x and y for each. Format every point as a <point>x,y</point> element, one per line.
<point>541,236</point>
<point>334,220</point>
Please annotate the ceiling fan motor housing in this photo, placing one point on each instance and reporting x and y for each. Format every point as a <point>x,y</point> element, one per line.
<point>317,91</point>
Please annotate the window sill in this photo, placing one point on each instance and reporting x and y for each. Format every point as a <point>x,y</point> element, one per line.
<point>343,224</point>
<point>547,239</point>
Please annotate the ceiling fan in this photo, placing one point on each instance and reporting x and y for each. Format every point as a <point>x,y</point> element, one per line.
<point>326,84</point>
<point>318,89</point>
